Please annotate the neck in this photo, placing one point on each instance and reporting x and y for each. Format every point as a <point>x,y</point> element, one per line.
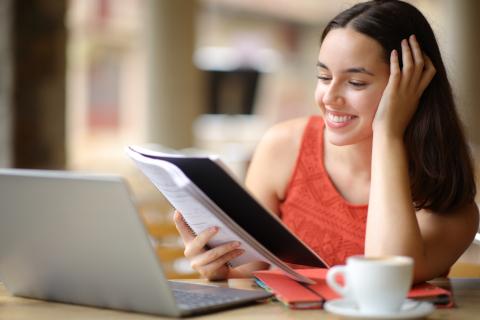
<point>357,158</point>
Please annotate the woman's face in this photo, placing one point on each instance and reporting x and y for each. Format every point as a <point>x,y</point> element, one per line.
<point>352,75</point>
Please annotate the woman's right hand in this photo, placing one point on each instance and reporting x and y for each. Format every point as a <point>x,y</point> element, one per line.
<point>211,263</point>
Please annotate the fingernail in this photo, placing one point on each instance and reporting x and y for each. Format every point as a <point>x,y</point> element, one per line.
<point>213,229</point>
<point>413,37</point>
<point>236,244</point>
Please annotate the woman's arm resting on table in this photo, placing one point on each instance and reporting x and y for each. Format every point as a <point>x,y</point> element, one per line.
<point>434,240</point>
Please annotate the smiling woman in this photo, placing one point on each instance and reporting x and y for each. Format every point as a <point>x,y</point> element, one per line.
<point>385,170</point>
<point>351,83</point>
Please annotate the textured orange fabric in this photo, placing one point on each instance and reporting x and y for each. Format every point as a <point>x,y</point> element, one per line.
<point>313,208</point>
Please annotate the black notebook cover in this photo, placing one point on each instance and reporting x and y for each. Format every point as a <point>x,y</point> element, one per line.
<point>242,208</point>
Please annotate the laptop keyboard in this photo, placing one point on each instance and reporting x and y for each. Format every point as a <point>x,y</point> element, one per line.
<point>191,300</point>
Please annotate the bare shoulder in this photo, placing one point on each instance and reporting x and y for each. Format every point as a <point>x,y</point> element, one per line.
<point>465,217</point>
<point>448,235</point>
<point>284,137</point>
<point>460,223</point>
<point>469,215</point>
<point>274,160</point>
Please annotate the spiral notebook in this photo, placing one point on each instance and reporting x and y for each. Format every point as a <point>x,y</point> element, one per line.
<point>202,189</point>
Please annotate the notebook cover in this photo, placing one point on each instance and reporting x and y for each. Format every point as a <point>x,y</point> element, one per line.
<point>220,187</point>
<point>291,293</point>
<point>440,297</point>
<point>294,294</point>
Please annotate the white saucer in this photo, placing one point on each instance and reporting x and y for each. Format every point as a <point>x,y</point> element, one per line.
<point>411,309</point>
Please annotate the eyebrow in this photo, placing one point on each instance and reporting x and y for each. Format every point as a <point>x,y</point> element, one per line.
<point>349,70</point>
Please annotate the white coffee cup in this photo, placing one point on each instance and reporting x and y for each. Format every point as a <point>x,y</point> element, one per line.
<point>378,285</point>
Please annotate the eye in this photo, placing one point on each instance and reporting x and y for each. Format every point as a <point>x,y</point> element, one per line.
<point>357,84</point>
<point>324,78</point>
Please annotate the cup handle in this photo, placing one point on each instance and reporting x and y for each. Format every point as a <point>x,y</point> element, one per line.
<point>332,279</point>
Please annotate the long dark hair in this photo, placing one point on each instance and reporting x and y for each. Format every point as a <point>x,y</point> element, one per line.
<point>440,165</point>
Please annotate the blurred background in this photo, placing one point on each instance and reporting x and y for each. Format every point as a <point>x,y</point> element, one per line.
<point>81,79</point>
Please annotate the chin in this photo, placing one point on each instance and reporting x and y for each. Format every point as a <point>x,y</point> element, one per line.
<point>347,139</point>
<point>340,142</point>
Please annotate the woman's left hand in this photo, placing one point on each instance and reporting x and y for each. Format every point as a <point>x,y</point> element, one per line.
<point>404,88</point>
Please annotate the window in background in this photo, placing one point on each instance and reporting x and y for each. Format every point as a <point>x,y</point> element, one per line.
<point>106,81</point>
<point>106,107</point>
<point>104,92</point>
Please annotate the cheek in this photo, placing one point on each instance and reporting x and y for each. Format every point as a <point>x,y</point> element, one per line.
<point>319,92</point>
<point>367,102</point>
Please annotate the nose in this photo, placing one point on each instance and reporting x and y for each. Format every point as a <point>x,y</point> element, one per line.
<point>332,95</point>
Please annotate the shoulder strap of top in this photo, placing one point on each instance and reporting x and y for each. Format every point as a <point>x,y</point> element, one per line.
<point>310,152</point>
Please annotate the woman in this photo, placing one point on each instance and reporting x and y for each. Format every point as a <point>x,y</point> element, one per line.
<point>390,138</point>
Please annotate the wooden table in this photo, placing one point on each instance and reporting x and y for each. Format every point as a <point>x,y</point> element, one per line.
<point>466,293</point>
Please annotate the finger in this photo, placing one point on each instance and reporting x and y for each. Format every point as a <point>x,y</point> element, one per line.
<point>395,73</point>
<point>198,244</point>
<point>212,267</point>
<point>214,254</point>
<point>427,76</point>
<point>407,60</point>
<point>418,60</point>
<point>183,228</point>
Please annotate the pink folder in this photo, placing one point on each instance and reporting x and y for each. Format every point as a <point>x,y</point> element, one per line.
<point>302,296</point>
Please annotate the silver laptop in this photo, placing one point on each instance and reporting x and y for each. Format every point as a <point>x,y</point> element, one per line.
<point>78,238</point>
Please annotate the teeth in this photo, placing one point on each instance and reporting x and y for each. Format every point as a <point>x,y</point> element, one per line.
<point>338,119</point>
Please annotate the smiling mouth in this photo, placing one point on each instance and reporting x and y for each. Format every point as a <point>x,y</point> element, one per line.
<point>339,119</point>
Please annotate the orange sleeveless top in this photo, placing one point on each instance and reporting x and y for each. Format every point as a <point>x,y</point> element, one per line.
<point>315,211</point>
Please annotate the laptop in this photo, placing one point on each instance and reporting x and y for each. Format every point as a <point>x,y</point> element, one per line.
<point>77,238</point>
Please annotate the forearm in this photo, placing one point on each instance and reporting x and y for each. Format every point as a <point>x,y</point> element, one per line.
<point>392,226</point>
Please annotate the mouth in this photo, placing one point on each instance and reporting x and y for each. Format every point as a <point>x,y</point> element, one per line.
<point>338,120</point>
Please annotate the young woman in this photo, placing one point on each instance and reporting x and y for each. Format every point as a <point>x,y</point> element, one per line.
<point>385,170</point>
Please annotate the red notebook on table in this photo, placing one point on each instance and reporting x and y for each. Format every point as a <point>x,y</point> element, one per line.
<point>302,296</point>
